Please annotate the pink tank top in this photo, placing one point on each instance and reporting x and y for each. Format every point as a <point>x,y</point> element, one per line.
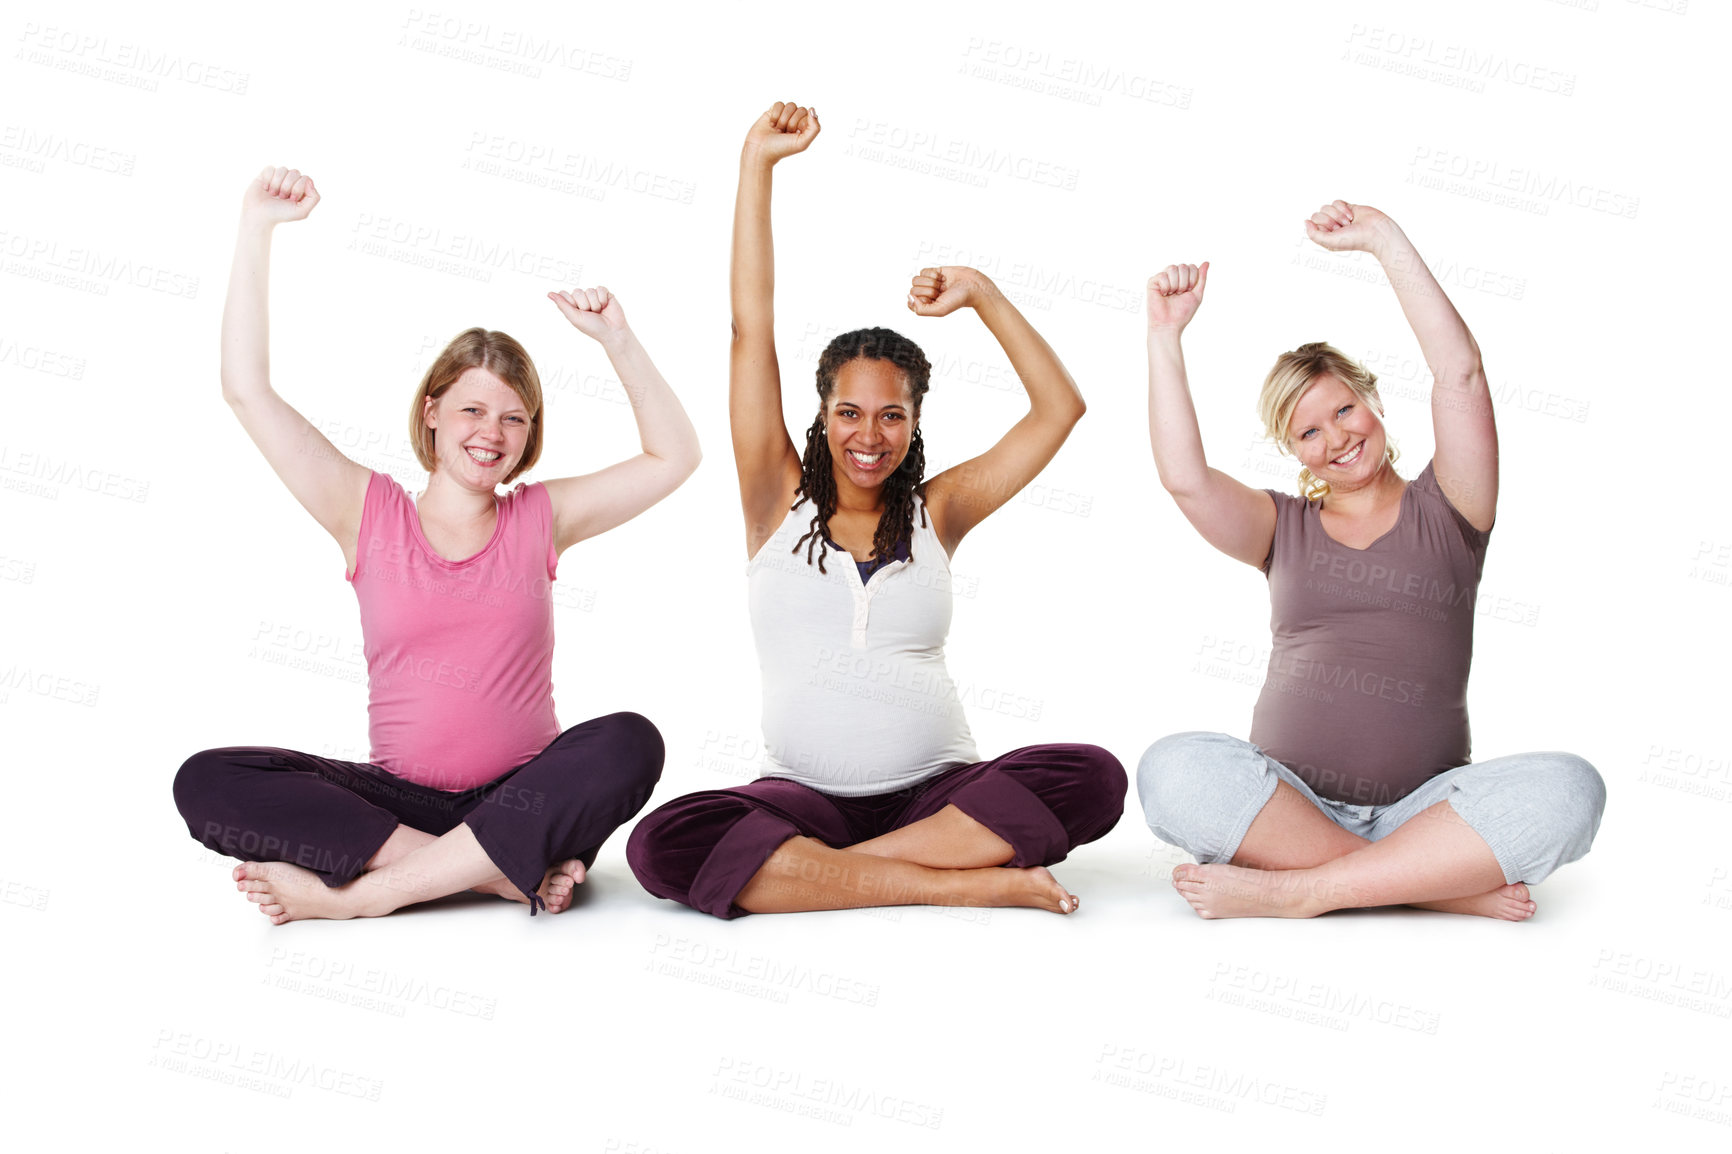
<point>459,653</point>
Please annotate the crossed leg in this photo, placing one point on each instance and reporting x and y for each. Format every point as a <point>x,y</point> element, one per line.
<point>554,890</point>
<point>978,835</point>
<point>412,866</point>
<point>1295,862</point>
<point>558,807</point>
<point>945,859</point>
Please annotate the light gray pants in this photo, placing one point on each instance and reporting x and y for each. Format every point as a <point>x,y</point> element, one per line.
<point>1537,811</point>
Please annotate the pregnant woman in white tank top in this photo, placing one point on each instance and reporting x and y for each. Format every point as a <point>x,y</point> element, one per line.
<point>874,794</point>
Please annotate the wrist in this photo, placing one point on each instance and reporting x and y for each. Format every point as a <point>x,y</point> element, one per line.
<point>983,293</point>
<point>617,342</point>
<point>1163,340</point>
<point>255,231</point>
<point>754,159</point>
<point>1387,240</point>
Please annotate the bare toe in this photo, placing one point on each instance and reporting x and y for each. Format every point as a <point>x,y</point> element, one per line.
<point>562,878</point>
<point>1509,903</point>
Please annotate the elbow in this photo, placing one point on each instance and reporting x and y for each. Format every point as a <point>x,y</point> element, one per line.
<point>1180,485</point>
<point>1074,405</point>
<point>1464,371</point>
<point>1179,491</point>
<point>744,326</point>
<point>686,460</point>
<point>673,468</point>
<point>242,384</point>
<point>1063,414</point>
<point>1073,416</point>
<point>1460,383</point>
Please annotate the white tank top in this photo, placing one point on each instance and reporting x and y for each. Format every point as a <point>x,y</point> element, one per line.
<point>856,696</point>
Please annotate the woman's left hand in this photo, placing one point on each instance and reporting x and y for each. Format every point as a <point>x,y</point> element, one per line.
<point>938,292</point>
<point>593,312</point>
<point>1342,227</point>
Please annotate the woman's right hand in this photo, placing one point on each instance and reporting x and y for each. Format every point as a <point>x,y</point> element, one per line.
<point>764,454</point>
<point>279,195</point>
<point>1175,293</point>
<point>327,484</point>
<point>781,132</point>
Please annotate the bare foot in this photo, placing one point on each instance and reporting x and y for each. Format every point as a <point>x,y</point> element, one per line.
<point>1227,891</point>
<point>288,893</point>
<point>1033,887</point>
<point>555,889</point>
<point>1509,903</point>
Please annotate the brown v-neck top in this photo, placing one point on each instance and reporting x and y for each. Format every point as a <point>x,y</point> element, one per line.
<point>1366,694</point>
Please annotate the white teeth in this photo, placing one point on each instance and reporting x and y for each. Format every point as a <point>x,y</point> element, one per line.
<point>1349,458</point>
<point>483,456</point>
<point>866,458</point>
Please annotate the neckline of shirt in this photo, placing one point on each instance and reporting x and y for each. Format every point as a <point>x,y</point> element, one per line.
<point>439,558</point>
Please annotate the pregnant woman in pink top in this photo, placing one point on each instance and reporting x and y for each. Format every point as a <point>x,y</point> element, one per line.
<point>471,784</point>
<point>1356,787</point>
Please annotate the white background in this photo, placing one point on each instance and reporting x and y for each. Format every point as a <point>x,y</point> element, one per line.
<point>1555,163</point>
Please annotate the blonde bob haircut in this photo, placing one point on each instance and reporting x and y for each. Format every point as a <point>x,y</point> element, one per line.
<point>1293,373</point>
<point>500,355</point>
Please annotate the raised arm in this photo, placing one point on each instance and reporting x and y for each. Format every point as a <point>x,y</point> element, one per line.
<point>964,495</point>
<point>596,502</point>
<point>1233,517</point>
<point>327,484</point>
<point>1465,461</point>
<point>764,454</point>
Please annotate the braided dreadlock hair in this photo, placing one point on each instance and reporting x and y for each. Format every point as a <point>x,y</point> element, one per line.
<point>817,469</point>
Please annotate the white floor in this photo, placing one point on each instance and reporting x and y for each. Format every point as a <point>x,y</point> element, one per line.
<point>630,1024</point>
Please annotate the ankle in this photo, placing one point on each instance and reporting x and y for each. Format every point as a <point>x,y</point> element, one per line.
<point>381,891</point>
<point>1307,893</point>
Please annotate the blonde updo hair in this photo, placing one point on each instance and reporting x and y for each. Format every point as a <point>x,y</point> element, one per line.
<point>1293,373</point>
<point>500,355</point>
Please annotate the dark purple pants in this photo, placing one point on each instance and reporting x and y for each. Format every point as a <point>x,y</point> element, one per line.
<point>331,817</point>
<point>1045,800</point>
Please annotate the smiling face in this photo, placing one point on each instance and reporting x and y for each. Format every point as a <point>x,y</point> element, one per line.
<point>869,421</point>
<point>481,427</point>
<point>1338,435</point>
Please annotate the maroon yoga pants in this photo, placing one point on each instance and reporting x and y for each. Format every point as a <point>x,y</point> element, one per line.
<point>331,817</point>
<point>1045,800</point>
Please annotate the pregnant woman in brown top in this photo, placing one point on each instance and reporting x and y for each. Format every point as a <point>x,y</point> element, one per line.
<point>1356,788</point>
